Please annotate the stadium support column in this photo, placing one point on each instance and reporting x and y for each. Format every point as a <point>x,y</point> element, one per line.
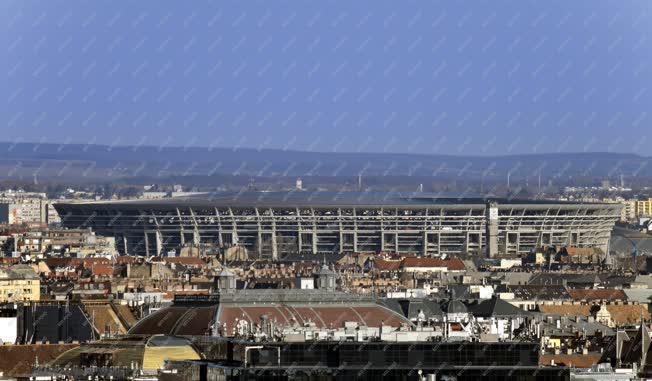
<point>159,243</point>
<point>274,246</point>
<point>424,247</point>
<point>299,240</point>
<point>339,224</point>
<point>491,215</point>
<point>196,238</point>
<point>314,231</point>
<point>125,243</point>
<point>274,237</point>
<point>220,239</point>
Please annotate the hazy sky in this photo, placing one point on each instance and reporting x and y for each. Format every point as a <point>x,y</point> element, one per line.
<point>457,77</point>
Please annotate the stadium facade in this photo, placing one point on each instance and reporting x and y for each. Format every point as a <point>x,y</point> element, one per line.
<point>274,224</point>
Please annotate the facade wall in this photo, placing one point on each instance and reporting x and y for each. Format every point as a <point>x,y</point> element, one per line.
<point>644,208</point>
<point>629,211</point>
<point>27,211</point>
<point>8,330</point>
<point>14,290</point>
<point>4,213</point>
<point>425,230</point>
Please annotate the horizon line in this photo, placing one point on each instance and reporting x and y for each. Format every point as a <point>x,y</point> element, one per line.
<point>209,148</point>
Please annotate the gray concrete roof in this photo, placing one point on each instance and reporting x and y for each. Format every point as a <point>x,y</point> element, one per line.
<point>329,199</point>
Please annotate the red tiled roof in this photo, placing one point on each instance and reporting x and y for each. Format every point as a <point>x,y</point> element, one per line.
<point>102,269</point>
<point>90,262</point>
<point>125,259</point>
<point>17,360</point>
<point>566,309</point>
<point>574,360</point>
<point>322,316</point>
<point>75,262</point>
<point>9,260</point>
<point>597,294</point>
<point>628,314</point>
<point>63,262</point>
<point>198,320</point>
<point>424,262</point>
<point>580,251</point>
<point>383,265</point>
<point>450,264</point>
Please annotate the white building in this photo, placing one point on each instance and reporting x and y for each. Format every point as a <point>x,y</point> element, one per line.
<point>8,328</point>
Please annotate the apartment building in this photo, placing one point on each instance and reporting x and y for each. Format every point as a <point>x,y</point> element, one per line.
<point>19,283</point>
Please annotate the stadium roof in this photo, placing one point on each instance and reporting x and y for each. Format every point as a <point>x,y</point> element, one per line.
<point>322,199</point>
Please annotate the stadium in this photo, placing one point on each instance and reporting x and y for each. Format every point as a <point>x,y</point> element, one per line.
<point>274,224</point>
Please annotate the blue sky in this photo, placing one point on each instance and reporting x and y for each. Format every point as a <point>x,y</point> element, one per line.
<point>453,77</point>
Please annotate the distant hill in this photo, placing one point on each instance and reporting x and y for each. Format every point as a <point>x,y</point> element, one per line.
<point>90,161</point>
